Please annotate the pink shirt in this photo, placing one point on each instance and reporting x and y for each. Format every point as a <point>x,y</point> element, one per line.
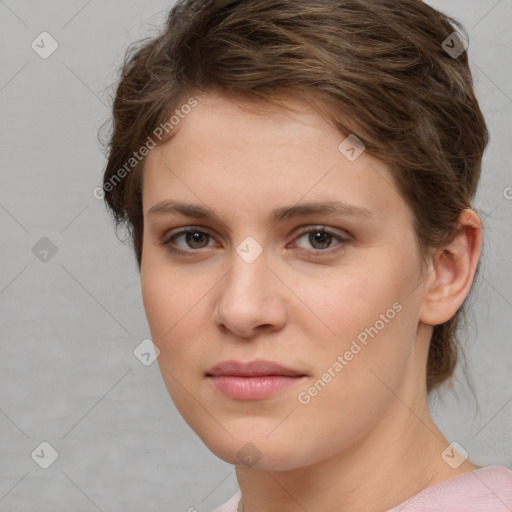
<point>488,489</point>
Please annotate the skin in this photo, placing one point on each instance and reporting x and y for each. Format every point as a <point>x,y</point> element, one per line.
<point>299,307</point>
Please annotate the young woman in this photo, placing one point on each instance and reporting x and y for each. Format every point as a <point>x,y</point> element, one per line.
<point>297,178</point>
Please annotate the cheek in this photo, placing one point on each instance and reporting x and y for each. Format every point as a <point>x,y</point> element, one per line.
<point>169,306</point>
<point>356,368</point>
<point>164,295</point>
<point>174,303</point>
<point>367,318</point>
<point>156,298</point>
<point>345,304</point>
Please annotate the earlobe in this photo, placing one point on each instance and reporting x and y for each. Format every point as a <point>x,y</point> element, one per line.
<point>453,271</point>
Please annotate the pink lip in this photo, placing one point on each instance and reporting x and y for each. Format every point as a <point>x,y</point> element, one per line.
<point>254,380</point>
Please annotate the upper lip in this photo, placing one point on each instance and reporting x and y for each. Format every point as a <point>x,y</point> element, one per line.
<point>258,367</point>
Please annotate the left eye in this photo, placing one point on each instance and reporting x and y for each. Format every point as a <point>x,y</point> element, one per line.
<point>321,238</point>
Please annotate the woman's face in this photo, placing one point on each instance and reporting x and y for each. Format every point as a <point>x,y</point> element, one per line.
<point>332,296</point>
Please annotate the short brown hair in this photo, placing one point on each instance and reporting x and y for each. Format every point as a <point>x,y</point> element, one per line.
<point>381,65</point>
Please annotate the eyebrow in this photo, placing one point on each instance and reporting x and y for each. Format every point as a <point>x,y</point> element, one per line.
<point>277,215</point>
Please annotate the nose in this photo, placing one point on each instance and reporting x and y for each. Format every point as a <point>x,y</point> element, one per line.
<point>251,299</point>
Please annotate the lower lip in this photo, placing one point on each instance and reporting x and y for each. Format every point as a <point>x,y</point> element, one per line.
<point>252,388</point>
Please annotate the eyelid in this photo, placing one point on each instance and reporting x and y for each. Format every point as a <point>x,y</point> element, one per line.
<point>322,227</point>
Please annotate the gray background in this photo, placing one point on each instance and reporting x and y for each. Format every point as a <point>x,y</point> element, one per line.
<point>69,324</point>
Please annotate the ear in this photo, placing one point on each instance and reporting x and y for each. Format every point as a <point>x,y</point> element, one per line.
<point>452,271</point>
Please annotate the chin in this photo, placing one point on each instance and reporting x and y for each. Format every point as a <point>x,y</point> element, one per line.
<point>259,453</point>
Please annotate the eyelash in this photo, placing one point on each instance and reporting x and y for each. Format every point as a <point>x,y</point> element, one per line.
<point>344,240</point>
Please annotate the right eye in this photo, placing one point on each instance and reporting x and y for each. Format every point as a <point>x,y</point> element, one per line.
<point>193,239</point>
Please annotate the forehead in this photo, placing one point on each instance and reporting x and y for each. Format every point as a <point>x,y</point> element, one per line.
<point>257,156</point>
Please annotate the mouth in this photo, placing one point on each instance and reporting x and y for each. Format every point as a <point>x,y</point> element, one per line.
<point>254,380</point>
